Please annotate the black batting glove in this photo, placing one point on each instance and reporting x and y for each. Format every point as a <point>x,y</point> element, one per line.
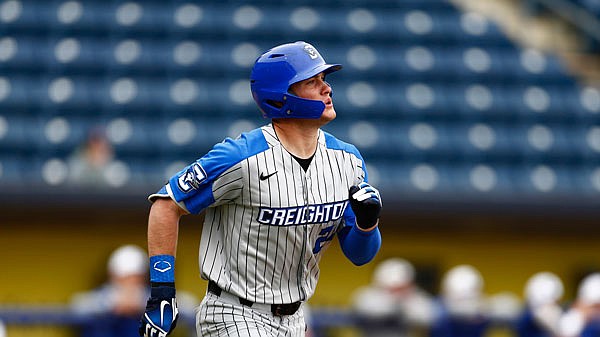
<point>366,204</point>
<point>161,313</point>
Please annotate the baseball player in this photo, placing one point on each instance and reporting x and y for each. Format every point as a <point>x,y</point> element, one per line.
<point>582,318</point>
<point>274,198</point>
<point>393,304</point>
<point>116,305</point>
<point>462,309</point>
<point>541,314</point>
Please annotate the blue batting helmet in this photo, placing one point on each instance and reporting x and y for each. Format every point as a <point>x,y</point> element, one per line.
<point>280,67</point>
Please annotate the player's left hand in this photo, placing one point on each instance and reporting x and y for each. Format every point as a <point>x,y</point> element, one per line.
<point>161,313</point>
<point>366,204</point>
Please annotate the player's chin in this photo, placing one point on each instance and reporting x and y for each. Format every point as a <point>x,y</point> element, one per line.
<point>329,114</point>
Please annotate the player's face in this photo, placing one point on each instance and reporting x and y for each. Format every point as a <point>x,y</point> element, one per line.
<point>316,88</point>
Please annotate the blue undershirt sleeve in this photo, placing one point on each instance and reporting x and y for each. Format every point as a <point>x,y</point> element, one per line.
<point>358,246</point>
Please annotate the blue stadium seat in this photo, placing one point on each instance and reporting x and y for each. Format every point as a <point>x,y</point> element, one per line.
<point>419,27</point>
<point>20,94</point>
<point>378,144</point>
<point>250,21</point>
<point>127,95</point>
<point>100,19</point>
<point>447,28</point>
<point>584,143</point>
<point>436,6</point>
<point>135,57</point>
<point>360,98</point>
<point>130,18</point>
<point>477,64</point>
<point>482,142</point>
<point>184,96</point>
<point>133,136</point>
<point>190,57</point>
<point>535,68</point>
<point>586,179</point>
<point>545,143</point>
<point>146,173</point>
<point>415,179</point>
<point>416,62</point>
<point>157,172</point>
<point>187,139</point>
<point>11,171</point>
<point>22,18</point>
<point>417,99</point>
<point>474,29</point>
<point>57,136</point>
<point>14,138</point>
<point>219,59</point>
<point>21,55</point>
<point>545,181</point>
<point>420,141</point>
<point>75,18</point>
<point>536,102</point>
<point>483,181</point>
<point>65,93</point>
<point>474,101</point>
<point>307,23</point>
<point>230,97</point>
<point>199,22</point>
<point>583,103</point>
<point>73,55</point>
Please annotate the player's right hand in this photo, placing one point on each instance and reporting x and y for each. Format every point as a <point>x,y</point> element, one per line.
<point>161,313</point>
<point>366,204</point>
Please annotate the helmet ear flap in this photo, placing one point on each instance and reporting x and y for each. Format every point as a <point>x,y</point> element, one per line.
<point>297,107</point>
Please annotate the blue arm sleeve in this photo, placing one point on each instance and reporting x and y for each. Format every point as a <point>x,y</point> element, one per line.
<point>358,246</point>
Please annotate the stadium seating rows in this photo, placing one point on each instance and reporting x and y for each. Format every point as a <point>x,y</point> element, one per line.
<point>437,100</point>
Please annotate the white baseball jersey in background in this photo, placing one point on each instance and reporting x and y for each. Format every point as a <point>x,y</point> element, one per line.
<point>267,221</point>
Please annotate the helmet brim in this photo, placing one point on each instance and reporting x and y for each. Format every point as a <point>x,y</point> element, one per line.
<point>323,68</point>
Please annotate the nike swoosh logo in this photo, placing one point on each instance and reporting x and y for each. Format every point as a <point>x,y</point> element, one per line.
<point>264,177</point>
<point>162,311</point>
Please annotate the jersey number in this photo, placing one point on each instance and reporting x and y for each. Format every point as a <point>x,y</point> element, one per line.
<point>325,235</point>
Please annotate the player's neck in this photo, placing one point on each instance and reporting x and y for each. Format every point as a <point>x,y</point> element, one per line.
<point>299,139</point>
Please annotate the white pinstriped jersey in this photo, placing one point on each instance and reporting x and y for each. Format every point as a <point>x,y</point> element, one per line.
<point>267,221</point>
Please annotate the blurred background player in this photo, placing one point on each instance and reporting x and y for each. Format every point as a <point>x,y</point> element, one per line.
<point>89,163</point>
<point>119,302</point>
<point>462,310</point>
<point>393,304</point>
<point>583,317</point>
<point>542,310</point>
<point>114,308</point>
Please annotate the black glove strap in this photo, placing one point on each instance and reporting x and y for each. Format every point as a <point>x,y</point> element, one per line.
<point>162,290</point>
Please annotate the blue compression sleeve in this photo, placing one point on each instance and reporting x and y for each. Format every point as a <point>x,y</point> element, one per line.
<point>358,246</point>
